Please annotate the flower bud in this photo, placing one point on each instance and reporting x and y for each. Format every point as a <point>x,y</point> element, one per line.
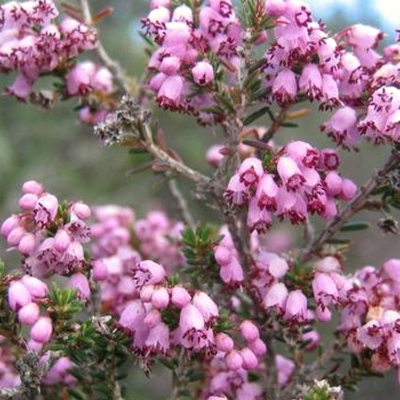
<point>224,342</point>
<point>79,282</point>
<point>250,360</point>
<point>35,286</point>
<point>203,73</point>
<point>249,331</point>
<point>62,240</point>
<point>28,201</point>
<point>42,330</point>
<point>234,360</point>
<point>18,295</point>
<point>160,298</point>
<point>180,296</point>
<point>32,187</point>
<point>29,314</point>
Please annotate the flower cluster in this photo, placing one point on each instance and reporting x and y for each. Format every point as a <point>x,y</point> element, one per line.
<point>47,234</point>
<point>299,40</point>
<point>160,239</point>
<point>32,43</point>
<point>94,84</point>
<point>120,243</point>
<point>25,296</point>
<point>181,62</point>
<point>370,318</point>
<point>299,180</point>
<point>146,316</point>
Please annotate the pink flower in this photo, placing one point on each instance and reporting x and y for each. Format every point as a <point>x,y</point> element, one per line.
<point>80,282</point>
<point>46,209</point>
<point>171,91</point>
<point>284,88</point>
<point>311,82</point>
<point>234,360</point>
<point>78,79</point>
<point>133,315</point>
<point>250,360</point>
<point>9,225</point>
<point>203,73</point>
<point>341,127</point>
<point>191,319</point>
<point>149,273</point>
<point>207,307</point>
<point>290,173</point>
<point>276,296</point>
<point>158,339</point>
<point>32,187</point>
<point>28,201</point>
<point>296,307</point>
<point>324,289</point>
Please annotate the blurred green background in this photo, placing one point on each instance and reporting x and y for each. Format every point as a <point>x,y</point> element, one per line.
<point>52,147</point>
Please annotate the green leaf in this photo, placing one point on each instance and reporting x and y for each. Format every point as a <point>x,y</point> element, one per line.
<point>168,363</point>
<point>355,226</point>
<point>255,115</point>
<point>289,125</point>
<point>76,394</point>
<point>338,241</point>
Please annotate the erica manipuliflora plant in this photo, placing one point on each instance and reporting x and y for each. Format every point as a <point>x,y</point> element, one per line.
<point>233,307</point>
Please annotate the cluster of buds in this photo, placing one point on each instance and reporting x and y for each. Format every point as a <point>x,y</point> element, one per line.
<point>47,234</point>
<point>24,298</point>
<point>165,317</point>
<point>267,281</point>
<point>299,40</point>
<point>182,62</point>
<point>227,257</point>
<point>299,180</point>
<point>32,43</point>
<point>94,84</point>
<point>344,70</point>
<point>120,242</point>
<point>146,316</point>
<point>367,81</point>
<point>160,239</point>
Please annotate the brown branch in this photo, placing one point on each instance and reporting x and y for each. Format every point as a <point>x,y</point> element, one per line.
<point>162,156</point>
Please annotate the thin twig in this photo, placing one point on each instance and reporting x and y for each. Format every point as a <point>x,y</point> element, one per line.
<point>112,65</point>
<point>276,124</point>
<point>175,165</point>
<point>357,204</point>
<point>181,204</point>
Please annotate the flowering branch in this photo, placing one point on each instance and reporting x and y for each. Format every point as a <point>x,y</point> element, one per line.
<point>164,158</point>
